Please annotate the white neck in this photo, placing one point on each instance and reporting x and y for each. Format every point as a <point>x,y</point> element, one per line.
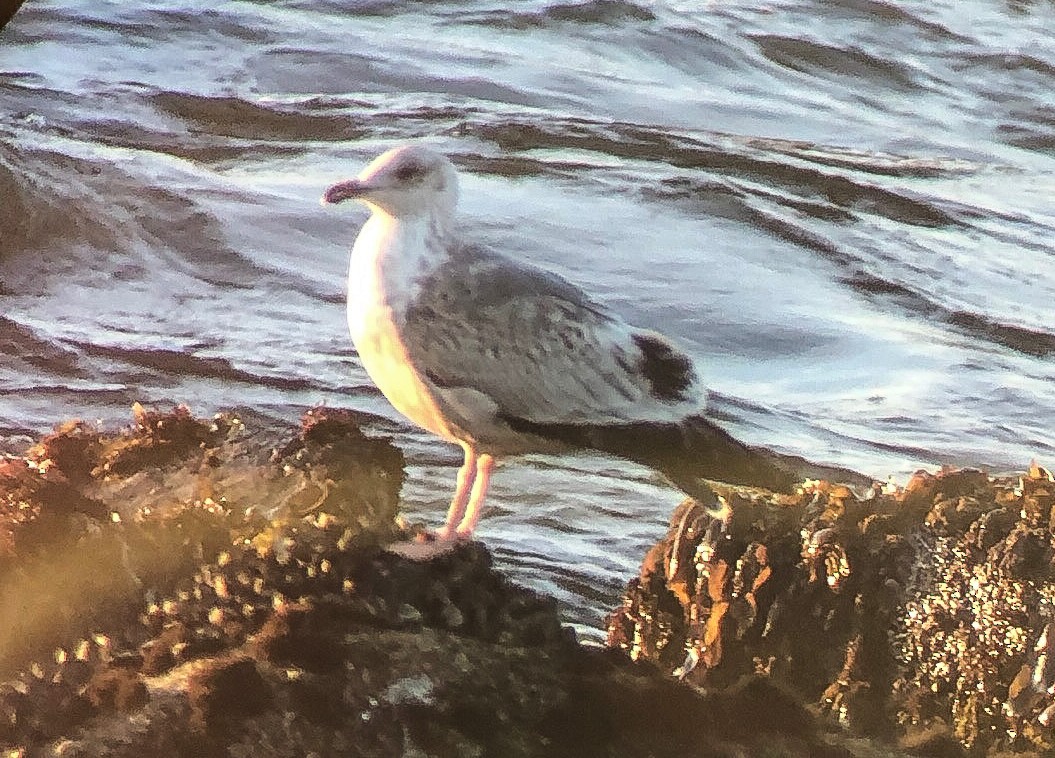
<point>390,258</point>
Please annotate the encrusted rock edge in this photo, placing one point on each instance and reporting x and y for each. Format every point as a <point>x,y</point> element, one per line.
<point>921,617</point>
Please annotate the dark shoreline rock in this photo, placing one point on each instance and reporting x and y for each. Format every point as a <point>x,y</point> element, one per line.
<point>924,617</point>
<point>189,588</point>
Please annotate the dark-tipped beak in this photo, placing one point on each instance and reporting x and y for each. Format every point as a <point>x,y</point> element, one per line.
<point>348,190</point>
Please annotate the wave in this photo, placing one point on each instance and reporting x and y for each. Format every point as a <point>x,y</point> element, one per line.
<point>180,363</point>
<point>807,56</point>
<point>1019,338</point>
<point>106,214</point>
<point>604,12</point>
<point>890,15</point>
<point>230,116</point>
<point>49,200</point>
<point>22,347</point>
<point>1030,129</point>
<point>794,167</point>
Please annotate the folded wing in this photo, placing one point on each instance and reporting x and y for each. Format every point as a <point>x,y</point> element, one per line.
<point>540,349</point>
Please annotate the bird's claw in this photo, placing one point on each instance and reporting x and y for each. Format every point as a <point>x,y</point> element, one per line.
<point>428,545</point>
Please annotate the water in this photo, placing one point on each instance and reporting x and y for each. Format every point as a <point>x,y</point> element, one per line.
<point>843,209</point>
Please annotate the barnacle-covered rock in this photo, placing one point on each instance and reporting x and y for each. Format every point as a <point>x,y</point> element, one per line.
<point>769,588</point>
<point>155,438</point>
<point>342,471</point>
<point>925,614</point>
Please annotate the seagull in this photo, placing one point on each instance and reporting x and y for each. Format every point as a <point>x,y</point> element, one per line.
<point>504,358</point>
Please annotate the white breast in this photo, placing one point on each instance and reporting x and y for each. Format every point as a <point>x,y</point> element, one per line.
<point>387,259</point>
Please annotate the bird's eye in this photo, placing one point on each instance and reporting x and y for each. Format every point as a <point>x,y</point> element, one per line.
<point>409,171</point>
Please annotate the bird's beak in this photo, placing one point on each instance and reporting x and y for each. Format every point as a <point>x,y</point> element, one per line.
<point>347,190</point>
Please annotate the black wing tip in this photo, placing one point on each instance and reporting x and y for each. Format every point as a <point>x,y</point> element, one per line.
<point>670,373</point>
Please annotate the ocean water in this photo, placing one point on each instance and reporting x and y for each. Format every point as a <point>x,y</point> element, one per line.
<point>842,209</point>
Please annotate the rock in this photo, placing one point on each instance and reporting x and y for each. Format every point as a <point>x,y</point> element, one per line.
<point>224,693</point>
<point>39,507</point>
<point>346,472</point>
<point>155,439</point>
<point>117,689</point>
<point>308,636</point>
<point>933,604</point>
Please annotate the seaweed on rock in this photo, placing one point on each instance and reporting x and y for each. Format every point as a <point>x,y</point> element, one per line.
<point>925,615</point>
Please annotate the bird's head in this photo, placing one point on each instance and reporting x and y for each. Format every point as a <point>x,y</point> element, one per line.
<point>402,182</point>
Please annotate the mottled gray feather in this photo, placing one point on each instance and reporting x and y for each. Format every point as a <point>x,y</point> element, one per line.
<point>531,341</point>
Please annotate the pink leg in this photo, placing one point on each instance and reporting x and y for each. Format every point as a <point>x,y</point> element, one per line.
<point>484,464</point>
<point>466,478</point>
<point>473,478</point>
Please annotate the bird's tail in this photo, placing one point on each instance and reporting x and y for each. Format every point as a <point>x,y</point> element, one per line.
<point>694,450</point>
<point>691,451</point>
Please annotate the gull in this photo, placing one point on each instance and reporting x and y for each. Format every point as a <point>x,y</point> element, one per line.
<point>504,358</point>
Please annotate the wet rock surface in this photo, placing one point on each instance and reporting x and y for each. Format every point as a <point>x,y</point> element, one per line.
<point>921,617</point>
<point>220,588</point>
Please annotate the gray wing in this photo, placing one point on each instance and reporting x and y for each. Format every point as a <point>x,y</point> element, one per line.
<point>539,349</point>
